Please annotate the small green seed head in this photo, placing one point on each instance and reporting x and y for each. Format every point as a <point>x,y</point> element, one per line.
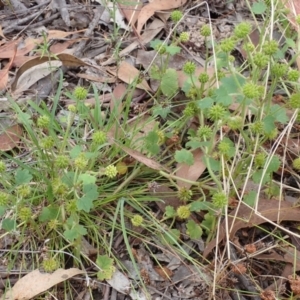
<point>216,112</point>
<point>242,30</point>
<point>251,90</point>
<point>23,191</point>
<point>50,265</point>
<point>249,47</point>
<point>192,93</point>
<point>99,137</point>
<point>184,37</point>
<point>296,164</point>
<point>189,68</point>
<point>261,60</point>
<point>81,162</point>
<point>71,206</point>
<point>161,49</point>
<point>205,30</point>
<point>297,19</point>
<point>185,194</point>
<point>227,45</point>
<point>72,108</point>
<point>190,110</point>
<point>59,188</point>
<point>43,121</point>
<point>53,224</point>
<point>183,212</point>
<point>272,135</point>
<point>2,166</point>
<point>80,93</point>
<point>224,147</point>
<point>204,132</point>
<point>4,197</point>
<point>47,143</point>
<point>270,47</point>
<point>235,122</point>
<point>260,159</point>
<point>279,69</point>
<point>295,101</point>
<point>203,78</point>
<point>25,214</point>
<point>137,220</point>
<point>220,74</point>
<point>257,127</point>
<point>62,161</point>
<point>219,200</point>
<point>293,75</point>
<point>111,171</point>
<point>176,16</point>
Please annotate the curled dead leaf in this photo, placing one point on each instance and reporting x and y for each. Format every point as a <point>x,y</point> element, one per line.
<point>10,138</point>
<point>246,217</point>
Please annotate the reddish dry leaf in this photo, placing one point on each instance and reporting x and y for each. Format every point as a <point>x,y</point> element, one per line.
<point>60,47</point>
<point>164,272</point>
<point>151,163</point>
<point>129,74</point>
<point>193,172</point>
<point>130,10</point>
<point>35,283</point>
<point>167,195</point>
<point>156,5</point>
<point>58,34</point>
<point>270,209</point>
<point>286,255</point>
<point>4,71</point>
<point>10,138</point>
<point>118,94</point>
<point>105,79</point>
<point>294,7</point>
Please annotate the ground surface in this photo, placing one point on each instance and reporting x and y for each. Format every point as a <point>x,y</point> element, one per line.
<point>107,49</point>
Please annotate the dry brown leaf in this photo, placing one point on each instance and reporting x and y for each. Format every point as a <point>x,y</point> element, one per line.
<point>166,194</point>
<point>156,5</point>
<point>192,172</point>
<point>60,47</point>
<point>286,255</point>
<point>66,59</point>
<point>101,79</point>
<point>10,138</point>
<point>294,7</point>
<point>35,283</point>
<point>128,73</point>
<point>118,94</point>
<point>270,209</point>
<point>58,34</point>
<point>4,71</point>
<point>151,163</point>
<point>130,10</point>
<point>1,33</point>
<point>164,272</point>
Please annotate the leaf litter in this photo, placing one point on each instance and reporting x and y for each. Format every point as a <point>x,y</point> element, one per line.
<point>141,18</point>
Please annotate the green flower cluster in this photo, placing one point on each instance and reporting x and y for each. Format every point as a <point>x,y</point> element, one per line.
<point>80,93</point>
<point>111,171</point>
<point>137,220</point>
<point>183,212</point>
